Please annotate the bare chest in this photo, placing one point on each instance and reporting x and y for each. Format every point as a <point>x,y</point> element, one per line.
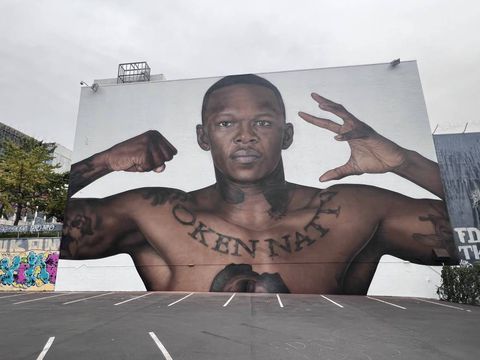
<point>308,249</point>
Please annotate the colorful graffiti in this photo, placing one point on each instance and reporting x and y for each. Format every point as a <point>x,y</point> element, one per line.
<point>29,265</point>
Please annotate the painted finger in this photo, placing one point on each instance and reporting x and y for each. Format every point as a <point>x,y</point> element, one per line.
<point>323,123</point>
<point>338,173</point>
<point>160,169</point>
<point>332,107</point>
<point>353,135</point>
<point>161,153</point>
<point>169,144</point>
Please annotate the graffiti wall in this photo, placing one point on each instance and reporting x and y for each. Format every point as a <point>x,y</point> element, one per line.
<point>312,181</point>
<point>459,160</point>
<point>28,264</point>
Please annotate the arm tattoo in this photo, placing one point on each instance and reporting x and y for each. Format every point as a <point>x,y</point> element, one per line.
<point>78,225</point>
<point>443,234</point>
<point>84,173</point>
<point>160,196</point>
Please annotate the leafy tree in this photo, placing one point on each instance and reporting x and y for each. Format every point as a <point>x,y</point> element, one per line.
<point>56,195</point>
<point>25,174</point>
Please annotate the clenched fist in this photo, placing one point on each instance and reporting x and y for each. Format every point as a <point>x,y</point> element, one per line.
<point>145,152</point>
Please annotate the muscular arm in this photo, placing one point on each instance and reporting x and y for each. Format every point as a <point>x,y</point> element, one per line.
<point>145,152</point>
<point>85,172</point>
<point>415,230</point>
<point>96,228</point>
<point>418,230</point>
<point>93,228</point>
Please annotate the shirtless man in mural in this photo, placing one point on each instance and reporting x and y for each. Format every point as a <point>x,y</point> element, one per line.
<point>252,231</point>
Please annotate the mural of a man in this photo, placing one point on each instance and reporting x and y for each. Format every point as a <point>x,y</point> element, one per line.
<point>252,231</point>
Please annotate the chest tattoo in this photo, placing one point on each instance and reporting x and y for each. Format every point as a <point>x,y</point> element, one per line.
<point>293,241</point>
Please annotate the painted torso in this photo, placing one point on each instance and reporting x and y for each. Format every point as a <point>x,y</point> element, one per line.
<point>307,250</point>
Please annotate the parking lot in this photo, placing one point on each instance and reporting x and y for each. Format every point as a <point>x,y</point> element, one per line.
<point>181,326</point>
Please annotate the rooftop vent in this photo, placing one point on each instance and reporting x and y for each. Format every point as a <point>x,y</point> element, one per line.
<point>133,72</point>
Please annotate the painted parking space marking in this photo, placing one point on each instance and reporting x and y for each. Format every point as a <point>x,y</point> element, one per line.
<point>279,301</point>
<point>386,302</point>
<point>87,298</point>
<point>159,344</point>
<point>444,305</point>
<point>183,298</point>
<point>134,298</point>
<point>41,298</point>
<point>46,348</point>
<point>230,299</point>
<point>333,302</point>
<point>9,296</point>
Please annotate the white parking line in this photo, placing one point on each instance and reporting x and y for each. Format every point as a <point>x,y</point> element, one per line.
<point>135,298</point>
<point>160,345</point>
<point>38,299</point>
<point>386,302</point>
<point>46,348</point>
<point>333,302</point>
<point>87,298</point>
<point>183,298</point>
<point>279,301</point>
<point>444,305</point>
<point>228,301</point>
<point>9,296</point>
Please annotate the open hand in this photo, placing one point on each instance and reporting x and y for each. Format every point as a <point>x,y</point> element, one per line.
<point>370,152</point>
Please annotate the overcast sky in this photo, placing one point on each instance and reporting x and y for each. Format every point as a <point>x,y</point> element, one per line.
<point>48,47</point>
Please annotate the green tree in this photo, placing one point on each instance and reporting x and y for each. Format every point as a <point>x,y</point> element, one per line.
<point>25,173</point>
<point>56,195</point>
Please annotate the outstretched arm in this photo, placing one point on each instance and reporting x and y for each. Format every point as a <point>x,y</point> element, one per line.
<point>416,230</point>
<point>96,228</point>
<point>92,228</point>
<point>371,152</point>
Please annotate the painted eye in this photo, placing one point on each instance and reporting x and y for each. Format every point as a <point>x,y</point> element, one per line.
<point>225,123</point>
<point>263,123</point>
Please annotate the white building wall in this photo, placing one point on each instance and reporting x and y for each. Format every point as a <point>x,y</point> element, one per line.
<point>388,99</point>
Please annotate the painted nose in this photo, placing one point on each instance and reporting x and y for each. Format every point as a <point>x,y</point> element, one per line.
<point>246,135</point>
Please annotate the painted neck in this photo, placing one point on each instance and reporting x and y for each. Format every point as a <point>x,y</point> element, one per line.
<point>270,193</point>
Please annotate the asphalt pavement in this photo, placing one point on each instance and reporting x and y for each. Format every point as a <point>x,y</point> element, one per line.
<point>184,326</point>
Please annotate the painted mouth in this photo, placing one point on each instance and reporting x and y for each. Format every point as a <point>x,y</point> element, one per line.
<point>245,156</point>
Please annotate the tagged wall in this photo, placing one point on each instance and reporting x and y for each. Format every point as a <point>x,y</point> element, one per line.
<point>459,160</point>
<point>29,264</point>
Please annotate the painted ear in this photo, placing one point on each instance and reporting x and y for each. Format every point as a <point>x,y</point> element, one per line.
<point>287,136</point>
<point>202,138</point>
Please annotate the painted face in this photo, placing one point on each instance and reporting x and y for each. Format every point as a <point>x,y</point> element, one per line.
<point>245,130</point>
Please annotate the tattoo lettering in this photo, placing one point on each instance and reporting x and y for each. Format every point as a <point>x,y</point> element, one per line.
<point>242,278</point>
<point>300,239</point>
<point>222,243</point>
<point>183,215</point>
<point>249,251</point>
<point>325,197</point>
<point>230,245</point>
<point>285,246</point>
<point>200,230</point>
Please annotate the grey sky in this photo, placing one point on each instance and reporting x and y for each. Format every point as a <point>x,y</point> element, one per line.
<point>47,47</point>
